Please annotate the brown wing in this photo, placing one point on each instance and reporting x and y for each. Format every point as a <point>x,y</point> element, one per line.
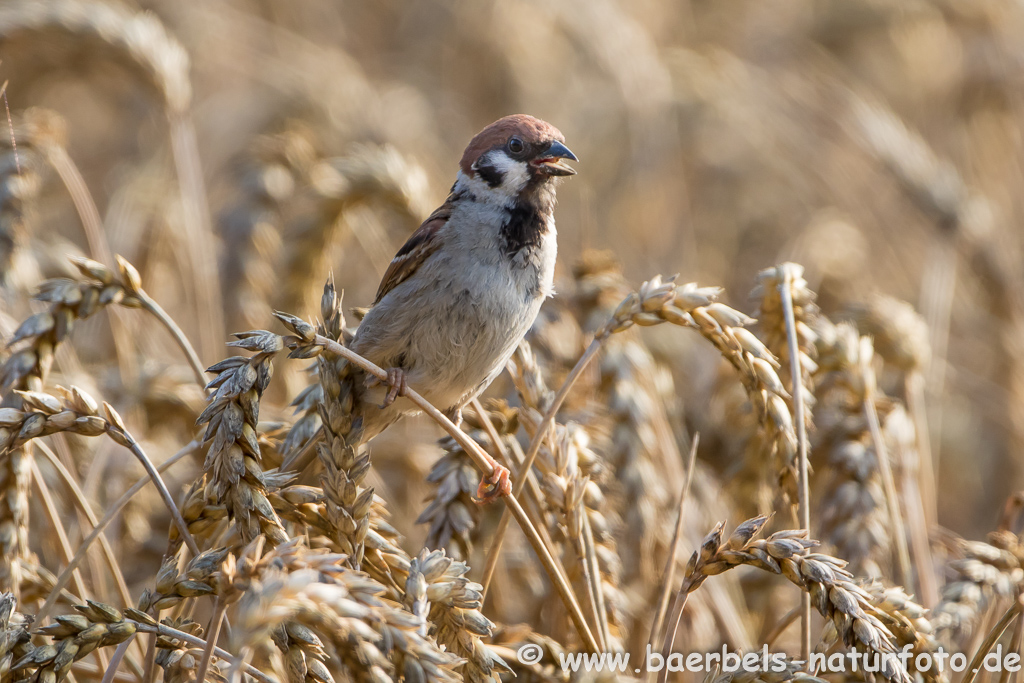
<point>415,251</point>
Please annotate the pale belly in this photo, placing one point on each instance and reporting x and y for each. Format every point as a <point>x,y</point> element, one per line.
<point>451,337</point>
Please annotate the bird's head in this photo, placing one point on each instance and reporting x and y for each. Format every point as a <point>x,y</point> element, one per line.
<point>516,153</point>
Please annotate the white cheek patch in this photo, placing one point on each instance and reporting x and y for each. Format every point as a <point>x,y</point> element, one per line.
<point>515,175</point>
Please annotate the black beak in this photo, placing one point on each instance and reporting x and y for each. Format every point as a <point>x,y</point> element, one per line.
<point>559,151</point>
<point>551,161</point>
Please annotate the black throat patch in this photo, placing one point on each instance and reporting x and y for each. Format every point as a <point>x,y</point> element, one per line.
<point>524,228</point>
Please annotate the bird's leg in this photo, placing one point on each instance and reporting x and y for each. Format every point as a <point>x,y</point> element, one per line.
<point>494,485</point>
<point>397,381</point>
<point>455,415</point>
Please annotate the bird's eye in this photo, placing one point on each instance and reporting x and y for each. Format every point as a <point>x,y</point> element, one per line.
<point>516,146</point>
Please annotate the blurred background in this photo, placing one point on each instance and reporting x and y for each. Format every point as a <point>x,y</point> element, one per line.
<point>237,151</point>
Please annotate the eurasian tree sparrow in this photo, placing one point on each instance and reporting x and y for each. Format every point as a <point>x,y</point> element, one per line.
<point>465,288</point>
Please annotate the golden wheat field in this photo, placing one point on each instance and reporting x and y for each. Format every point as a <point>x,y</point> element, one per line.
<point>774,409</point>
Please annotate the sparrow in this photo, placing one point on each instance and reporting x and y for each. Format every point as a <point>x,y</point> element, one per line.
<point>463,291</point>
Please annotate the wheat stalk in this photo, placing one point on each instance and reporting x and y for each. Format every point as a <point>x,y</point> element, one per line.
<point>901,338</point>
<point>15,639</point>
<point>697,307</point>
<point>861,516</point>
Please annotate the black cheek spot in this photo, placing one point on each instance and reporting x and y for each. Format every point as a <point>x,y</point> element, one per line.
<point>490,175</point>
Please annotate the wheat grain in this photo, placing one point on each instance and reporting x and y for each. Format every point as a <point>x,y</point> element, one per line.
<point>198,579</point>
<point>41,414</point>
<point>75,636</point>
<point>844,604</point>
<point>345,462</point>
<point>21,179</point>
<point>15,639</point>
<point>179,661</point>
<point>908,621</point>
<point>70,301</point>
<point>233,461</point>
<point>300,590</point>
<point>854,517</point>
<point>697,307</point>
<point>899,332</point>
<point>452,515</point>
<point>982,572</point>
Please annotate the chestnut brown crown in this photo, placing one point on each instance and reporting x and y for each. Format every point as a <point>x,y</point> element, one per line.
<point>534,133</point>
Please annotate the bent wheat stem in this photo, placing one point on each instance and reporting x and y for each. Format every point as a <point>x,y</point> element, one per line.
<point>120,435</point>
<point>179,337</point>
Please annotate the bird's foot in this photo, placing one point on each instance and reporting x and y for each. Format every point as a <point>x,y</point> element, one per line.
<point>397,382</point>
<point>494,485</point>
